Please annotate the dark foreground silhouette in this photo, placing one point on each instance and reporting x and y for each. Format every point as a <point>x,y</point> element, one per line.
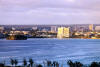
<point>31,63</point>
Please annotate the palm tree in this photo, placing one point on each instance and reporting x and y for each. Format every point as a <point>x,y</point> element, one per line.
<point>70,63</point>
<point>74,64</point>
<point>31,62</point>
<point>28,65</point>
<point>78,64</point>
<point>24,62</point>
<point>49,63</point>
<point>39,65</point>
<point>95,64</point>
<point>12,62</point>
<point>16,62</point>
<point>4,62</point>
<point>44,62</point>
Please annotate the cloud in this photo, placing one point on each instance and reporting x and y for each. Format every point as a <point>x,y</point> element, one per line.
<point>49,11</point>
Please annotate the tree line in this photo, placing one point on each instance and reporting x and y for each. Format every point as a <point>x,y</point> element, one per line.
<point>31,63</point>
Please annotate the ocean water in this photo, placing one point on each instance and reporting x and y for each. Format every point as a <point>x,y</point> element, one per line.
<point>61,50</point>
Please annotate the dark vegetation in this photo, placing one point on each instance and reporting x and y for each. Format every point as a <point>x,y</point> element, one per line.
<point>31,63</point>
<point>16,37</point>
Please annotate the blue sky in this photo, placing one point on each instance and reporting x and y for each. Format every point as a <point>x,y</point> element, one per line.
<point>49,11</point>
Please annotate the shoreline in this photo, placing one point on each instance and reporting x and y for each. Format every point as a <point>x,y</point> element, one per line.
<point>55,38</point>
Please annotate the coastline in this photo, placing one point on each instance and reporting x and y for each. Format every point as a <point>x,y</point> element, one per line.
<point>53,38</point>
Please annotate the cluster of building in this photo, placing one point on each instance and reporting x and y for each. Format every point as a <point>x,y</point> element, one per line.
<point>91,33</point>
<point>52,31</point>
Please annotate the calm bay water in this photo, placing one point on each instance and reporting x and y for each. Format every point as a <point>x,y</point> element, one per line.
<point>61,50</point>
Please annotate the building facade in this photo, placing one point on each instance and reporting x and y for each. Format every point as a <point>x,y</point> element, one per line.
<point>53,29</point>
<point>63,32</point>
<point>91,27</point>
<point>97,28</point>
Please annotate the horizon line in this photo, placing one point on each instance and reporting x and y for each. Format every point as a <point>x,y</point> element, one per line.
<point>48,24</point>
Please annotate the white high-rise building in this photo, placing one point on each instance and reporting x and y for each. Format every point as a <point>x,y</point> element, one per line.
<point>63,32</point>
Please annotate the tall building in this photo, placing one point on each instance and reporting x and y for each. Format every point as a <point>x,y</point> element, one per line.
<point>53,29</point>
<point>63,32</point>
<point>97,28</point>
<point>1,29</point>
<point>91,27</point>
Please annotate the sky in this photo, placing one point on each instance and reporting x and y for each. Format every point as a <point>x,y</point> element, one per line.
<point>49,11</point>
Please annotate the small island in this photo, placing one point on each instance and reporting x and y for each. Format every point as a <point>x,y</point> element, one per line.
<point>16,37</point>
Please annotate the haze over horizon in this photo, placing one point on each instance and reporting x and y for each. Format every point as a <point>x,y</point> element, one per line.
<point>49,12</point>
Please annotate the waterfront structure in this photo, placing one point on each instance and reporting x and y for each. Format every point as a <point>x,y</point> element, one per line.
<point>34,28</point>
<point>13,28</point>
<point>1,29</point>
<point>19,32</point>
<point>74,31</point>
<point>91,27</point>
<point>44,30</point>
<point>97,28</point>
<point>53,29</point>
<point>63,32</point>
